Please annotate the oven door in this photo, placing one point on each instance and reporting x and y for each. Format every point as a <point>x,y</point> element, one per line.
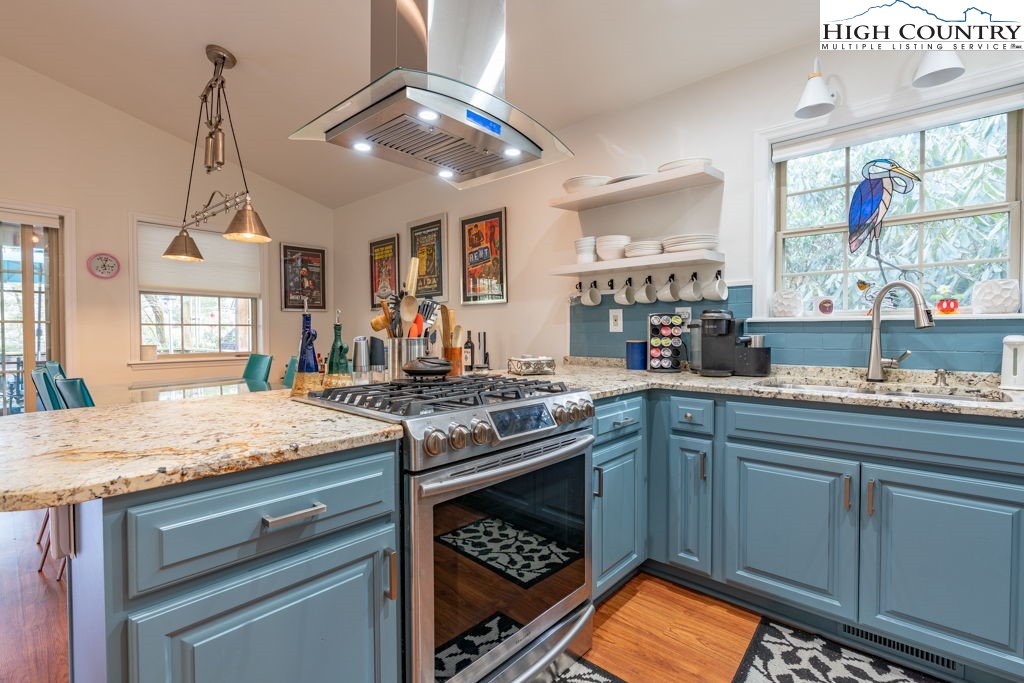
<point>499,552</point>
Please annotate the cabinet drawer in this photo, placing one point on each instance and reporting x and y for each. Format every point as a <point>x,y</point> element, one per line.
<point>619,418</point>
<point>695,415</point>
<point>180,538</point>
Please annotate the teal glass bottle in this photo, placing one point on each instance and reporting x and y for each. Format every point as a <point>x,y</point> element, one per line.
<point>337,373</point>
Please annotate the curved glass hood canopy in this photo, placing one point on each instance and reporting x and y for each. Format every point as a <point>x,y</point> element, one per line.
<point>463,133</point>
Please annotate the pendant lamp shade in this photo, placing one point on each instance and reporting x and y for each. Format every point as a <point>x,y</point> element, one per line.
<point>183,248</point>
<point>246,226</point>
<point>817,99</point>
<point>938,67</point>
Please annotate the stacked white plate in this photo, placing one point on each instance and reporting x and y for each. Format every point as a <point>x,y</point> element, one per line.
<point>585,250</point>
<point>612,247</point>
<point>690,242</point>
<point>583,182</point>
<point>643,248</point>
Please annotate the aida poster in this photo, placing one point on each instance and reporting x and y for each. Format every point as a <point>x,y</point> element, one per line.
<point>428,243</point>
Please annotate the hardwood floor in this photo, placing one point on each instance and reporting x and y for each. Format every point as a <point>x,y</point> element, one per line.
<point>33,606</point>
<point>652,630</point>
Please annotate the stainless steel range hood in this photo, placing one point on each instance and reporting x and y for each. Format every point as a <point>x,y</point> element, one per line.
<point>435,103</point>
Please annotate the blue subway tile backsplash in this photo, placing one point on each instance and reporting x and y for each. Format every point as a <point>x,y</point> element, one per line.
<point>954,343</point>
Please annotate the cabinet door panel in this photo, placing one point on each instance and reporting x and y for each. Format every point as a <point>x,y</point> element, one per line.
<point>789,532</point>
<point>304,618</point>
<point>690,468</point>
<point>942,562</point>
<point>618,513</point>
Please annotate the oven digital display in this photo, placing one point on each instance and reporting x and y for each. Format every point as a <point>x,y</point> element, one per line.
<point>521,420</point>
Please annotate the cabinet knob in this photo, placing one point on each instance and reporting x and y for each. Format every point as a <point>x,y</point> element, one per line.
<point>688,417</point>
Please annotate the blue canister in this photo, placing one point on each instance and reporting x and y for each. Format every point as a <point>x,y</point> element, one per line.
<point>636,355</point>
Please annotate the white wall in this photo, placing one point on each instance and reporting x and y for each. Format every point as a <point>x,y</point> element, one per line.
<point>62,148</point>
<point>715,118</point>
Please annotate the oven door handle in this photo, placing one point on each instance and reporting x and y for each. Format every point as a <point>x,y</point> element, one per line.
<point>558,648</point>
<point>505,471</point>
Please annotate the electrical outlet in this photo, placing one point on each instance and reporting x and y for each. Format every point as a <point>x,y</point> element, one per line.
<point>615,320</point>
<point>685,311</point>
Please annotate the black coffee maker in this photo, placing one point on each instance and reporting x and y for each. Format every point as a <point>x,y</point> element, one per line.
<point>718,343</point>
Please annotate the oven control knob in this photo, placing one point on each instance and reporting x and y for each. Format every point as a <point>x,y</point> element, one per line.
<point>560,414</point>
<point>588,408</point>
<point>434,441</point>
<point>482,432</point>
<point>574,413</point>
<point>458,436</point>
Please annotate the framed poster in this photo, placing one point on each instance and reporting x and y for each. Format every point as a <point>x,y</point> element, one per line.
<point>303,271</point>
<point>383,268</point>
<point>428,241</point>
<point>484,265</point>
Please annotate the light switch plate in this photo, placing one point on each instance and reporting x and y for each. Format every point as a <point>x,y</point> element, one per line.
<point>685,311</point>
<point>615,320</point>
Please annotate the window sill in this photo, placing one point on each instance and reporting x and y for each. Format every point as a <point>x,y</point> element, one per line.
<point>898,316</point>
<point>187,362</point>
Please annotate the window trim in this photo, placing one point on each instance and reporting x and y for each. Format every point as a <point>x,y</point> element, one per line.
<point>261,335</point>
<point>1014,159</point>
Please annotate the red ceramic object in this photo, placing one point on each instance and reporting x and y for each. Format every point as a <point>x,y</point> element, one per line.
<point>947,306</point>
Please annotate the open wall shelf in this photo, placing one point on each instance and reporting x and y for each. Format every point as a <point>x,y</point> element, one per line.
<point>697,257</point>
<point>696,174</point>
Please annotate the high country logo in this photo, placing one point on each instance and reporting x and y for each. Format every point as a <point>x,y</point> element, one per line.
<point>921,25</point>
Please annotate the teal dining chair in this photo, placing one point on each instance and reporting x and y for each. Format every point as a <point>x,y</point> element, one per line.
<point>46,390</point>
<point>74,392</point>
<point>54,369</point>
<point>257,367</point>
<point>289,373</point>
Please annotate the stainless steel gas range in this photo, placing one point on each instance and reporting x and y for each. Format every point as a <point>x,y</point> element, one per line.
<point>496,492</point>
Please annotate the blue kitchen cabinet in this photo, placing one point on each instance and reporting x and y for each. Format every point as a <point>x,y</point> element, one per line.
<point>619,502</point>
<point>320,615</point>
<point>690,468</point>
<point>791,527</point>
<point>942,563</point>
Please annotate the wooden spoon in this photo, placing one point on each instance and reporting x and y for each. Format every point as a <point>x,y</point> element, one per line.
<point>412,276</point>
<point>458,337</point>
<point>409,310</point>
<point>446,328</point>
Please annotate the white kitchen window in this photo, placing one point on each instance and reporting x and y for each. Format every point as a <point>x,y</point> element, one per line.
<point>190,310</point>
<point>960,224</point>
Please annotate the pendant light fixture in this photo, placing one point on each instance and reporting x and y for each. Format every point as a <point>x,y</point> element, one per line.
<point>246,225</point>
<point>817,99</point>
<point>938,67</point>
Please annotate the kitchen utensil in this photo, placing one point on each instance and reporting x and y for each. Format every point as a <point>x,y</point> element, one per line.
<point>590,296</point>
<point>446,327</point>
<point>1013,363</point>
<point>361,360</point>
<point>623,297</point>
<point>412,276</point>
<point>679,163</point>
<point>691,290</point>
<point>454,356</point>
<point>408,311</point>
<point>378,362</point>
<point>646,293</point>
<point>996,296</point>
<point>531,365</point>
<point>458,338</point>
<point>402,350</point>
<point>666,350</point>
<point>670,291</point>
<point>416,328</point>
<point>787,303</point>
<point>715,289</point>
<point>582,182</point>
<point>424,366</point>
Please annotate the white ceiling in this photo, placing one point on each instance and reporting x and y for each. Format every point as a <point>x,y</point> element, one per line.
<point>567,61</point>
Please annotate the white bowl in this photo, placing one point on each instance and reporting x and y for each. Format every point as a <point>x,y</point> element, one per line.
<point>993,296</point>
<point>611,253</point>
<point>582,182</point>
<point>589,257</point>
<point>613,239</point>
<point>678,163</point>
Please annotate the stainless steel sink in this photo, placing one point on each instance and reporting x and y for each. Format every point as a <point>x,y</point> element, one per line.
<point>919,391</point>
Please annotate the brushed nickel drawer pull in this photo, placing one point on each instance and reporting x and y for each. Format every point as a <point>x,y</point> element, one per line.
<point>599,493</point>
<point>847,480</point>
<point>629,421</point>
<point>392,591</point>
<point>871,497</point>
<point>274,522</point>
<point>703,465</point>
<point>688,417</point>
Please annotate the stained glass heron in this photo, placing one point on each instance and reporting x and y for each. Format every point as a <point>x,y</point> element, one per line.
<point>870,203</point>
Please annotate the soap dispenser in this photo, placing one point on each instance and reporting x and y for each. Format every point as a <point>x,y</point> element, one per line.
<point>1013,363</point>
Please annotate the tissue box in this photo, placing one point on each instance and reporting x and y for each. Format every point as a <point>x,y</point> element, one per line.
<point>531,365</point>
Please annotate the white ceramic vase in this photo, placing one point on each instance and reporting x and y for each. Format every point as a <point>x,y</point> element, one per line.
<point>787,303</point>
<point>996,296</point>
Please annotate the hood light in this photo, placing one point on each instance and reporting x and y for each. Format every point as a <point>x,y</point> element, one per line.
<point>427,115</point>
<point>362,147</point>
<point>445,173</point>
<point>512,152</point>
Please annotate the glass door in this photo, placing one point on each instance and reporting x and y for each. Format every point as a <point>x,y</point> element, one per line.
<point>28,309</point>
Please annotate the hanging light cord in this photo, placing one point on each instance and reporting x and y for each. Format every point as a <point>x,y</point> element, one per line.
<point>192,168</point>
<point>231,124</point>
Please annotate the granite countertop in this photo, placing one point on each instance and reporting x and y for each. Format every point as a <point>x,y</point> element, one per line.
<point>604,378</point>
<point>71,456</point>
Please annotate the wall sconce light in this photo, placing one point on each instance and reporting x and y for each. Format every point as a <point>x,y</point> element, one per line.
<point>818,99</point>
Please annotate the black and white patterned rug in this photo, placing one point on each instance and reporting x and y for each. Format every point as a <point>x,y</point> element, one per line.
<point>517,554</point>
<point>470,645</point>
<point>583,671</point>
<point>781,654</point>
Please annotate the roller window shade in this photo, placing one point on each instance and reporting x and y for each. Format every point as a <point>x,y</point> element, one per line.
<point>860,133</point>
<point>228,267</point>
<point>36,220</point>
